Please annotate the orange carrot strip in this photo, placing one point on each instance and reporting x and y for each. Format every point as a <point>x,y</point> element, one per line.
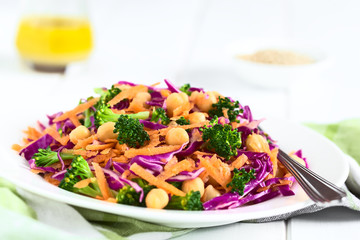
<point>55,134</point>
<point>16,147</point>
<point>83,183</point>
<point>165,93</point>
<point>49,179</point>
<point>99,147</point>
<point>111,140</point>
<point>155,84</point>
<point>75,120</point>
<point>239,162</point>
<point>273,157</point>
<point>105,151</point>
<point>78,109</point>
<point>102,158</point>
<point>121,159</point>
<point>184,165</point>
<point>150,151</point>
<point>84,142</point>
<point>112,200</point>
<point>141,172</point>
<point>103,185</point>
<point>99,197</point>
<point>127,93</point>
<point>220,175</point>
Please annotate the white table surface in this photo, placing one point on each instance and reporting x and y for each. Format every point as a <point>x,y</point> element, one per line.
<point>185,41</point>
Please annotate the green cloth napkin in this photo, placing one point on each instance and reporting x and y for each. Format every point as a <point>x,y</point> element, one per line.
<point>345,134</point>
<point>18,220</point>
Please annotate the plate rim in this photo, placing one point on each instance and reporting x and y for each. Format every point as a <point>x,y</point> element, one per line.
<point>163,216</point>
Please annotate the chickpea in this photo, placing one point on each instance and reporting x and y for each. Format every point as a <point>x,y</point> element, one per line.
<point>203,101</point>
<point>142,97</point>
<point>210,193</point>
<point>106,131</point>
<point>195,184</point>
<point>157,198</point>
<point>80,132</point>
<point>176,136</point>
<point>197,117</point>
<point>175,100</point>
<point>257,143</point>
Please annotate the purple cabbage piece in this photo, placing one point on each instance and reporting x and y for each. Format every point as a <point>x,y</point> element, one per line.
<point>193,146</point>
<point>298,153</point>
<point>185,175</point>
<point>245,132</point>
<point>123,104</point>
<point>247,114</point>
<point>113,179</point>
<point>59,175</point>
<point>33,166</point>
<point>43,142</point>
<point>120,167</point>
<point>155,162</point>
<point>127,83</point>
<point>261,163</point>
<point>116,182</point>
<point>152,125</point>
<point>109,164</point>
<point>171,87</point>
<point>195,89</point>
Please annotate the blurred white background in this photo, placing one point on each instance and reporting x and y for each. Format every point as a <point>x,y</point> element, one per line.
<point>186,41</point>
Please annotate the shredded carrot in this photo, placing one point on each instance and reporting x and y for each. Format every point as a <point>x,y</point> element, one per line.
<point>165,93</point>
<point>111,141</point>
<point>83,183</point>
<point>112,200</point>
<point>75,120</point>
<point>55,134</point>
<point>99,197</point>
<point>95,147</point>
<point>78,109</point>
<point>141,172</point>
<point>121,159</point>
<point>128,93</point>
<point>184,165</point>
<point>32,133</point>
<point>239,162</point>
<point>105,151</point>
<point>49,179</point>
<point>155,84</point>
<point>102,158</point>
<point>132,152</point>
<point>84,142</point>
<point>16,147</point>
<point>171,163</point>
<point>273,158</point>
<point>100,177</point>
<point>217,170</point>
<point>136,107</point>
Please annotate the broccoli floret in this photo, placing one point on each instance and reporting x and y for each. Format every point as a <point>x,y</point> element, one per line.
<point>240,179</point>
<point>221,139</point>
<point>127,195</point>
<point>182,121</point>
<point>130,131</point>
<point>107,95</point>
<point>232,108</point>
<point>160,114</point>
<point>190,202</point>
<point>105,114</point>
<point>46,157</point>
<point>185,88</point>
<point>80,170</point>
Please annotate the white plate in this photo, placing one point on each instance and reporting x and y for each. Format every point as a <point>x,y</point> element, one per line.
<point>323,156</point>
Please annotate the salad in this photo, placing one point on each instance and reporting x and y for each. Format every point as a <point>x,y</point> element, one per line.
<point>165,148</point>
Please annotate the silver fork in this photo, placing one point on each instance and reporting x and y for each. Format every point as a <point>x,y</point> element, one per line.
<point>316,187</point>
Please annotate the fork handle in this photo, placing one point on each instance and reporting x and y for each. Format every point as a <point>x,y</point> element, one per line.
<point>316,187</point>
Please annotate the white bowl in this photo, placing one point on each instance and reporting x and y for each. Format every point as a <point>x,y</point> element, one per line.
<point>272,75</point>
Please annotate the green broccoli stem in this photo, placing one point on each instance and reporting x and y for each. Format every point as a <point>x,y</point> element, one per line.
<point>190,202</point>
<point>92,190</point>
<point>105,114</point>
<point>46,157</point>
